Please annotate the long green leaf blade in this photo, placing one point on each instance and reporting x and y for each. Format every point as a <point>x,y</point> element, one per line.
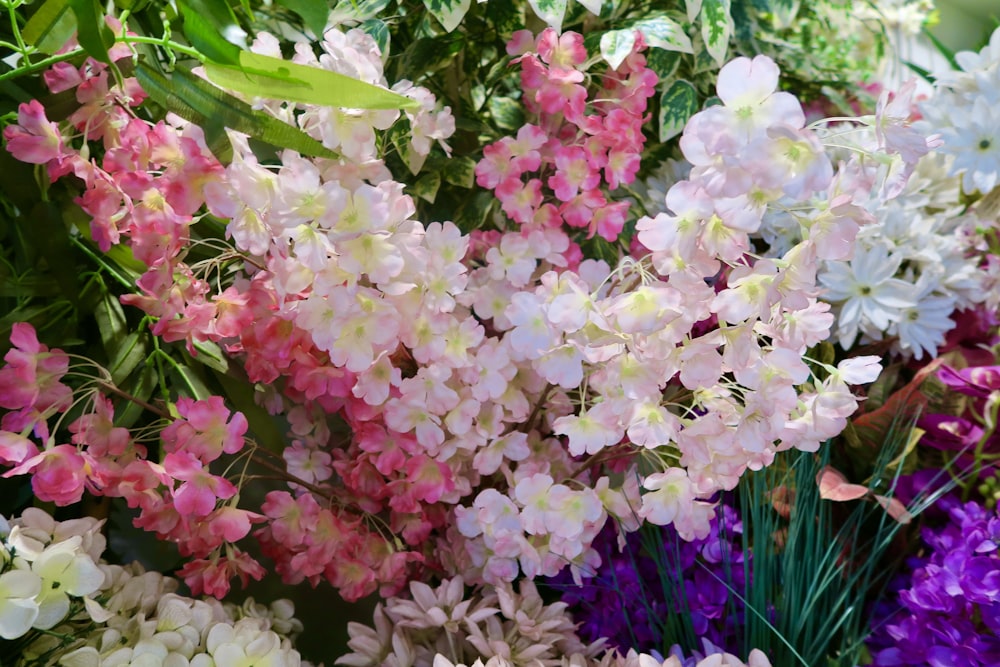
<point>50,27</point>
<point>273,78</point>
<point>198,101</point>
<point>92,32</point>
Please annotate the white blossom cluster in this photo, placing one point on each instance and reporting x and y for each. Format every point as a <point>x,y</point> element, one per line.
<point>914,268</point>
<point>60,604</point>
<point>965,110</point>
<point>515,628</point>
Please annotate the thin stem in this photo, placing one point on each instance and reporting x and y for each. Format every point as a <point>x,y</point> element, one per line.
<point>284,474</point>
<point>138,401</point>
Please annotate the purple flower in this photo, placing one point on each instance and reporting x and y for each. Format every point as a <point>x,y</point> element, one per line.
<point>948,611</point>
<point>659,576</point>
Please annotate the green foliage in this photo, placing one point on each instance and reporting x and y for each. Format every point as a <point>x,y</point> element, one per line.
<point>818,565</point>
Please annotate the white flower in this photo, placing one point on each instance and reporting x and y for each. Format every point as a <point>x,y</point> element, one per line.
<point>974,139</point>
<point>922,327</point>
<point>872,298</point>
<point>18,608</point>
<point>64,571</point>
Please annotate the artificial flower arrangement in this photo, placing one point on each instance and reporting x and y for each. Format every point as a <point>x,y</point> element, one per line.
<point>573,333</point>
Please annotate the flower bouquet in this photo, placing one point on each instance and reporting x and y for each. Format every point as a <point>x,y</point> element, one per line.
<point>531,333</point>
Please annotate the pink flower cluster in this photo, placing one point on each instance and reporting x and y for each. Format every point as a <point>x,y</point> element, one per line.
<point>498,389</point>
<point>579,151</point>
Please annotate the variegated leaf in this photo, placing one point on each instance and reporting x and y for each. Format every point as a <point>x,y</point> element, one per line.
<point>677,104</point>
<point>616,45</point>
<point>664,33</point>
<point>593,6</point>
<point>716,28</point>
<point>692,7</point>
<point>550,11</point>
<point>449,12</point>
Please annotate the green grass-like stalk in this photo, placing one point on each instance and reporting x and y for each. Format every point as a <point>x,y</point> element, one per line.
<point>810,593</point>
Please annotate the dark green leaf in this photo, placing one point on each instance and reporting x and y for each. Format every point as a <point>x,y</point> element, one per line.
<point>198,101</point>
<point>129,354</point>
<point>142,387</point>
<point>47,232</point>
<point>211,355</point>
<point>241,393</point>
<point>427,186</point>
<point>664,63</point>
<point>313,13</point>
<point>111,323</point>
<point>92,32</point>
<point>507,113</point>
<point>50,27</point>
<point>474,211</point>
<point>921,72</point>
<point>460,171</point>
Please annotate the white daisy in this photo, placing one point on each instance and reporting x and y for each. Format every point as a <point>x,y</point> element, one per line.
<point>870,298</point>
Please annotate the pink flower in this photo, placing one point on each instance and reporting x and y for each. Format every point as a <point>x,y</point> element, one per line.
<point>15,448</point>
<point>565,51</point>
<point>31,377</point>
<point>34,139</point>
<point>204,432</point>
<point>211,576</point>
<point>197,496</point>
<point>58,475</point>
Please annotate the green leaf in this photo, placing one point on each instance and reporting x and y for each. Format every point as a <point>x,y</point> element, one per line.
<point>206,35</point>
<point>507,113</point>
<point>921,72</point>
<point>677,104</point>
<point>550,11</point>
<point>378,31</point>
<point>354,10</point>
<point>616,45</point>
<point>211,355</point>
<point>313,14</point>
<point>460,171</point>
<point>48,234</point>
<point>427,187</point>
<point>92,32</point>
<point>198,101</point>
<point>474,211</point>
<point>191,383</point>
<point>664,63</point>
<point>111,323</point>
<point>663,32</point>
<point>141,387</point>
<point>428,55</point>
<point>449,13</point>
<point>263,76</point>
<point>784,12</point>
<point>716,28</point>
<point>948,54</point>
<point>50,27</point>
<point>131,352</point>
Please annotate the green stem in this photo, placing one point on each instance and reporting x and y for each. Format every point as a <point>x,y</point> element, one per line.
<point>40,65</point>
